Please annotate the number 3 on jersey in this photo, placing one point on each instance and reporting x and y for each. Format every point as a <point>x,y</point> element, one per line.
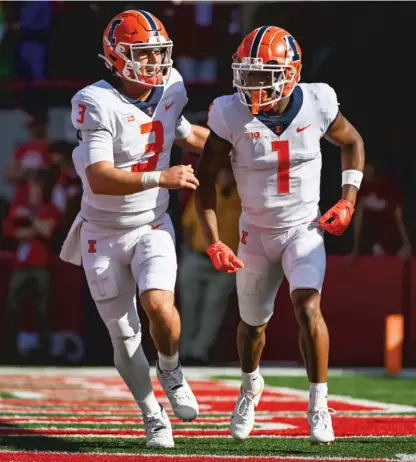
<point>156,147</point>
<point>81,113</point>
<point>283,165</point>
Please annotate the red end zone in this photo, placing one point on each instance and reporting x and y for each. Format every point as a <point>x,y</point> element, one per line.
<point>82,406</point>
<point>279,426</point>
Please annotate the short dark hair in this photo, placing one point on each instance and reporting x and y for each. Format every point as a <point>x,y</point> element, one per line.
<point>39,115</point>
<point>62,147</point>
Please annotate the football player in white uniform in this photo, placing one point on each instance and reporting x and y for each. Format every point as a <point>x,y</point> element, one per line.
<point>272,126</point>
<point>127,125</point>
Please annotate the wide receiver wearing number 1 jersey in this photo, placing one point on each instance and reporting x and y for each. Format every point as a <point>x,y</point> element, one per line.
<point>272,129</point>
<point>127,125</point>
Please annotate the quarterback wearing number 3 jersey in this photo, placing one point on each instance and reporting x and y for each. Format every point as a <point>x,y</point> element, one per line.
<point>272,129</point>
<point>127,125</point>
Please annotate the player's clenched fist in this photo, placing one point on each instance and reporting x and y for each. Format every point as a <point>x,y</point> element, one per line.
<point>180,176</point>
<point>337,219</point>
<point>223,258</point>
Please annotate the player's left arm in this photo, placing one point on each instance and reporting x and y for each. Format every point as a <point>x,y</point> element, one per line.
<point>343,134</point>
<point>195,141</point>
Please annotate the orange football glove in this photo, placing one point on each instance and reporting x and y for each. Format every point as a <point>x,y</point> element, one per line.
<point>337,219</point>
<point>223,258</point>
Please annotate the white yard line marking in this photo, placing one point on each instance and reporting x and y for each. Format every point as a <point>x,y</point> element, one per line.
<point>27,394</point>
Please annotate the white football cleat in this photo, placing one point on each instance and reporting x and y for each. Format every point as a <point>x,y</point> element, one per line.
<point>179,393</point>
<point>242,420</point>
<point>158,430</point>
<point>320,425</point>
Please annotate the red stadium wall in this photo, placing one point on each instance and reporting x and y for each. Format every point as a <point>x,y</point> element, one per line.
<point>355,301</point>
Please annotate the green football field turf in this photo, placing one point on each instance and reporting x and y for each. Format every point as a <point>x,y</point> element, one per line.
<point>62,416</point>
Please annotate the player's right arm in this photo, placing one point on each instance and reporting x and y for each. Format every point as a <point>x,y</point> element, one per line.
<point>104,178</point>
<point>214,157</point>
<point>97,149</point>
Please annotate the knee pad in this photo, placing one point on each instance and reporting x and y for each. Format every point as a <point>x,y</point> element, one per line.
<point>122,329</point>
<point>125,338</point>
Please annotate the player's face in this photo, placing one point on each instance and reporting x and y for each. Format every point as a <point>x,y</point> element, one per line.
<point>58,158</point>
<point>148,59</point>
<point>35,127</point>
<point>258,78</point>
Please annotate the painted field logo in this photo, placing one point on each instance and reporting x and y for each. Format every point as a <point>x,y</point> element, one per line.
<point>70,411</point>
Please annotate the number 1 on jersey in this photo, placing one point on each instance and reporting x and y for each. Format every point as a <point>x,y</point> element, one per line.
<point>283,165</point>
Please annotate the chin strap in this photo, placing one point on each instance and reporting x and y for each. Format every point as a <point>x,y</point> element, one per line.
<point>109,65</point>
<point>257,97</point>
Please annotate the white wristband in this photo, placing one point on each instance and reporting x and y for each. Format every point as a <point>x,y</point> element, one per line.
<point>353,177</point>
<point>150,180</point>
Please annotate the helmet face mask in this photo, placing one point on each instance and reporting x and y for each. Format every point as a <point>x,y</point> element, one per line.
<point>263,80</point>
<point>138,49</point>
<point>146,64</point>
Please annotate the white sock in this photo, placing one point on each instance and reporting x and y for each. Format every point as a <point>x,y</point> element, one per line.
<point>168,363</point>
<point>251,381</point>
<point>132,365</point>
<point>318,396</point>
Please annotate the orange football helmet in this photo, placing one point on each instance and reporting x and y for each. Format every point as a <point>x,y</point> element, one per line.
<point>131,34</point>
<point>266,67</point>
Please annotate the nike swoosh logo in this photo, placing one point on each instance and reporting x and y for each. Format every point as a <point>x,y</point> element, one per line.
<point>300,129</point>
<point>167,106</point>
<point>157,226</point>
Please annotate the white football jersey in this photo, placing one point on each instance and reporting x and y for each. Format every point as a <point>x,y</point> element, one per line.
<point>140,137</point>
<point>277,160</point>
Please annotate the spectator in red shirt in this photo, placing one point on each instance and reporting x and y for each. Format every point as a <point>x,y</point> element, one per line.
<point>29,156</point>
<point>67,183</point>
<point>380,198</point>
<point>67,190</point>
<point>32,221</point>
